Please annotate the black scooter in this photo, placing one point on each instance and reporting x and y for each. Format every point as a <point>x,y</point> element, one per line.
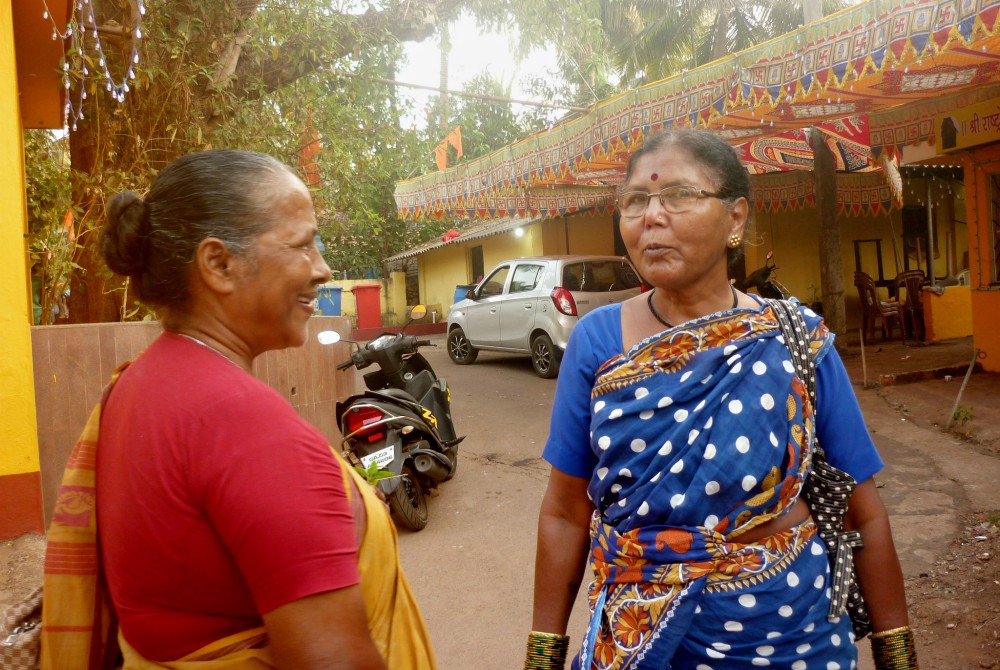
<point>402,425</point>
<point>763,281</point>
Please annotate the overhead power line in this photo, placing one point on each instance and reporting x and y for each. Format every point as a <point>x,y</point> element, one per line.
<point>479,96</point>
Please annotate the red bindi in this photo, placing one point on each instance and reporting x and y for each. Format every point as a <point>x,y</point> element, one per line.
<point>654,177</point>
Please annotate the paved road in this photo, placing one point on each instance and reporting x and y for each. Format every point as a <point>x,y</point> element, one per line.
<point>471,568</point>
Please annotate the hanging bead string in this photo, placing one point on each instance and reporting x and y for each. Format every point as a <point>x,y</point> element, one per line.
<point>83,18</point>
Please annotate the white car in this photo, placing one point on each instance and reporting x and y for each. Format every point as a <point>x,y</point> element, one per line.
<point>530,305</point>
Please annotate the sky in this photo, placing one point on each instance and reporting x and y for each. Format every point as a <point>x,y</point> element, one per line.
<point>471,53</point>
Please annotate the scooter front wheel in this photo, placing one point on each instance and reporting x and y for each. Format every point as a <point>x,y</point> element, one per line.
<point>409,501</point>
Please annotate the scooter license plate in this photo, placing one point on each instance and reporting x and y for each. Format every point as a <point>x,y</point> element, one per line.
<point>382,457</point>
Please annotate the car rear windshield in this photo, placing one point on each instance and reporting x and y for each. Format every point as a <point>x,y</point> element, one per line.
<point>600,275</point>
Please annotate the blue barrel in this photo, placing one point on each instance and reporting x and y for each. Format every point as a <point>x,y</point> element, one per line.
<point>461,290</point>
<point>329,300</point>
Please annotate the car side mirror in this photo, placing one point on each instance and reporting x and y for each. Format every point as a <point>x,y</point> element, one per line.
<point>470,294</point>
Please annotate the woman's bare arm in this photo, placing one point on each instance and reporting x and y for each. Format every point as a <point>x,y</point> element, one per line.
<point>326,631</point>
<point>563,542</point>
<point>879,573</point>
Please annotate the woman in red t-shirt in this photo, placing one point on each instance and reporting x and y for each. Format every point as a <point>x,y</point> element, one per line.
<point>228,529</point>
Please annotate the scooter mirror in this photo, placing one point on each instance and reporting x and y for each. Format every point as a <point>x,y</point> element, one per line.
<point>418,312</point>
<point>770,255</point>
<point>328,337</point>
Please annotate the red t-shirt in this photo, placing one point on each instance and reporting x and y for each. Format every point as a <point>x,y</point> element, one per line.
<point>216,502</point>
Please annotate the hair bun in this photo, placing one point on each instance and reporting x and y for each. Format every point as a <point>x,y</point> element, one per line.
<point>125,233</point>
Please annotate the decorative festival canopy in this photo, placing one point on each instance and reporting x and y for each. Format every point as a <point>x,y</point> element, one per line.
<point>869,78</point>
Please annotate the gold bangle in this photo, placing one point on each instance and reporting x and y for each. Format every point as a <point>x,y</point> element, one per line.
<point>894,649</point>
<point>546,651</point>
<point>892,631</point>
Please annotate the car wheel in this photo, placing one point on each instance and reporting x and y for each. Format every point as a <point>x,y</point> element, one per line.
<point>544,357</point>
<point>460,350</point>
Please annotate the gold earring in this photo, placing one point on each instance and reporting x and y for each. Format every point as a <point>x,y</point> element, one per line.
<point>734,241</point>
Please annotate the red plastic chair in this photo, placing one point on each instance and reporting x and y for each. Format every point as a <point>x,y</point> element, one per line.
<point>873,308</point>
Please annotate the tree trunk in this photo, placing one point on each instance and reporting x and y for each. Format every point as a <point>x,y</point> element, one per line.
<point>720,46</point>
<point>831,269</point>
<point>831,266</point>
<point>691,23</point>
<point>89,301</point>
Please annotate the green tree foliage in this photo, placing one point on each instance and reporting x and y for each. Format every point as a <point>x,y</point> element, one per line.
<point>655,39</point>
<point>234,73</point>
<point>486,124</point>
<point>50,241</point>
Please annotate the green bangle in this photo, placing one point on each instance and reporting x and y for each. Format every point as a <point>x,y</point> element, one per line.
<point>546,651</point>
<point>894,649</point>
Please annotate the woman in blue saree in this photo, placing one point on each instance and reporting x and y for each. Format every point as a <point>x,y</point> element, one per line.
<point>680,440</point>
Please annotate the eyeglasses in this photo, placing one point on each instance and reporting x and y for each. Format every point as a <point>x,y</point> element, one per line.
<point>674,199</point>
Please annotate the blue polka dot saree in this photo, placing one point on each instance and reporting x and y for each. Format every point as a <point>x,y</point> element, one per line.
<point>703,433</point>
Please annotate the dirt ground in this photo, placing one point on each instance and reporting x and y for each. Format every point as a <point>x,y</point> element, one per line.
<point>21,563</point>
<point>955,603</point>
<point>954,607</point>
<point>954,597</point>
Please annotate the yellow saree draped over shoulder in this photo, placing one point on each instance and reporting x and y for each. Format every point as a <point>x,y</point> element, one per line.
<point>78,626</point>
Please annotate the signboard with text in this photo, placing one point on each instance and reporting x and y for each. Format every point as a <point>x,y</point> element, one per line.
<point>968,126</point>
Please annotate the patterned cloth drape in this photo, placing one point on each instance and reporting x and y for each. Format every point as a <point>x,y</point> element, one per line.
<point>871,77</point>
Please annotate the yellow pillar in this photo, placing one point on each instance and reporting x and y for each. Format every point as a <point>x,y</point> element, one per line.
<point>20,482</point>
<point>397,296</point>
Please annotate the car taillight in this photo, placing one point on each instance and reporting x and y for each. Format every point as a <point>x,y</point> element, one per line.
<point>563,300</point>
<point>359,417</point>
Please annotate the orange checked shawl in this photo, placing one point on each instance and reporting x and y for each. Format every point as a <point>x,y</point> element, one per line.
<point>78,624</point>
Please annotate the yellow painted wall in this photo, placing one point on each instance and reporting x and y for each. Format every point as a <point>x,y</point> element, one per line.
<point>948,315</point>
<point>589,233</point>
<point>17,430</point>
<point>556,235</point>
<point>396,300</point>
<point>440,270</point>
<point>499,248</point>
<point>19,454</point>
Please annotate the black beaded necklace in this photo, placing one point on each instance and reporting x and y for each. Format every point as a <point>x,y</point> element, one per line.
<point>656,315</point>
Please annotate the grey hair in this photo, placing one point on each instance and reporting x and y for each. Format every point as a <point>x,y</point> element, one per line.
<point>221,193</point>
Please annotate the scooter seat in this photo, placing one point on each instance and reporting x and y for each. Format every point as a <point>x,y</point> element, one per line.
<point>397,393</point>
